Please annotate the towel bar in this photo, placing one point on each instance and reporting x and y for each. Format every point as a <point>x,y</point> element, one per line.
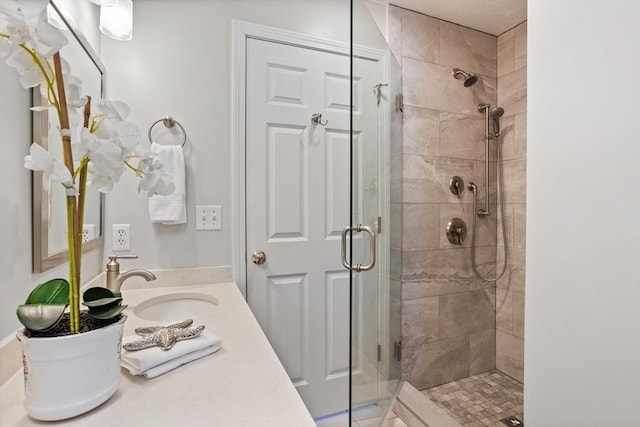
<point>168,122</point>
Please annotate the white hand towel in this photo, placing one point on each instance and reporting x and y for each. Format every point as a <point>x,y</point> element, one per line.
<point>176,363</point>
<point>138,362</point>
<point>170,209</point>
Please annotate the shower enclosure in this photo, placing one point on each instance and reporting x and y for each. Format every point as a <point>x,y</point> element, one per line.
<point>376,225</point>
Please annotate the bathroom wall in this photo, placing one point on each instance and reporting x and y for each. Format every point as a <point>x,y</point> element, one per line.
<point>179,64</point>
<point>15,187</point>
<point>448,315</point>
<point>582,336</point>
<point>512,96</point>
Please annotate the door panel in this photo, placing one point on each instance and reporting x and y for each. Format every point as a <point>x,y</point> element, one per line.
<point>297,204</point>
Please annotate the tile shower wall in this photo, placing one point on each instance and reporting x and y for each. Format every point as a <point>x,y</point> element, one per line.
<point>512,96</point>
<point>448,315</point>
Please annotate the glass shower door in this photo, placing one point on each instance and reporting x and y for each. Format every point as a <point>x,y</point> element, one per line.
<point>376,127</point>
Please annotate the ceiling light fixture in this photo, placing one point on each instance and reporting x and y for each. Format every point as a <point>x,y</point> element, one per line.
<point>105,3</point>
<point>117,21</point>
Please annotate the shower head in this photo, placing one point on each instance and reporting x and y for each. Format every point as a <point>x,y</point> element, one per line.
<point>497,112</point>
<point>468,78</point>
<point>495,115</point>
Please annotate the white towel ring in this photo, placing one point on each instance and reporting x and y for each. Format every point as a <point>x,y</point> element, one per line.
<point>169,122</point>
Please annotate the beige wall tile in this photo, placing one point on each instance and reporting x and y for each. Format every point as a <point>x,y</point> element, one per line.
<point>420,226</point>
<point>514,181</point>
<point>485,264</point>
<point>431,86</point>
<point>471,50</point>
<point>439,362</point>
<point>506,53</point>
<point>521,45</point>
<point>451,267</point>
<point>421,131</point>
<point>395,288</point>
<point>504,310</point>
<point>419,167</point>
<point>396,166</point>
<point>437,172</point>
<point>420,36</point>
<point>508,222</point>
<point>414,268</point>
<point>518,314</point>
<point>419,321</point>
<point>395,225</point>
<point>519,226</point>
<point>512,94</point>
<point>479,180</point>
<point>482,352</point>
<point>514,277</point>
<point>414,190</point>
<point>461,136</point>
<point>396,264</point>
<point>484,92</point>
<point>521,136</point>
<point>466,313</point>
<point>507,140</point>
<point>396,187</point>
<point>510,355</point>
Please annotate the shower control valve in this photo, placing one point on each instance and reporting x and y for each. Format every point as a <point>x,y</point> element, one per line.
<point>456,230</point>
<point>456,185</point>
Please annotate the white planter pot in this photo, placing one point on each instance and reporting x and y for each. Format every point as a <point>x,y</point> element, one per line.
<point>70,375</point>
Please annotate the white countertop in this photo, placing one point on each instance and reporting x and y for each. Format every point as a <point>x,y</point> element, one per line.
<point>243,384</point>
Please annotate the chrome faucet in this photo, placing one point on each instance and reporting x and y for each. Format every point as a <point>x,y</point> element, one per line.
<point>115,279</point>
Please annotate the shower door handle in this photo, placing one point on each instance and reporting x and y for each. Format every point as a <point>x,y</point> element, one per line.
<point>372,248</point>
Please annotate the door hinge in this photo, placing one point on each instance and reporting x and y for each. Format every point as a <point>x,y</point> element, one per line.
<point>398,349</point>
<point>399,103</point>
<point>379,353</point>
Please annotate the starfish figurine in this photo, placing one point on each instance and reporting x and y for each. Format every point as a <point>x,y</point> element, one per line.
<point>164,337</point>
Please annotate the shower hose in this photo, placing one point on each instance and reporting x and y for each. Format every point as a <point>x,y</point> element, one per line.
<point>474,188</point>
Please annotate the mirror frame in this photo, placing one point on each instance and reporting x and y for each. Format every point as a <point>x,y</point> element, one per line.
<point>42,259</point>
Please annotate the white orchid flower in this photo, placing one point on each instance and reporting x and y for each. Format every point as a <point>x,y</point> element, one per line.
<point>28,70</point>
<point>114,109</point>
<point>106,157</point>
<point>153,179</point>
<point>25,21</point>
<point>52,169</point>
<point>129,135</point>
<point>102,183</point>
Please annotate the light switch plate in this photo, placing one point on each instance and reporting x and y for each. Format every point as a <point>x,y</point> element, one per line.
<point>208,217</point>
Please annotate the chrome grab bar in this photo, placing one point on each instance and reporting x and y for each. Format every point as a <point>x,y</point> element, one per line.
<point>372,248</point>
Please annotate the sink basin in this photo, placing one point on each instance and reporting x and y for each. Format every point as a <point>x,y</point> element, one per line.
<point>177,307</point>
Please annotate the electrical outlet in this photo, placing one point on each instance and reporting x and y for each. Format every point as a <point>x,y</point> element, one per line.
<point>88,232</point>
<point>208,217</point>
<point>121,237</point>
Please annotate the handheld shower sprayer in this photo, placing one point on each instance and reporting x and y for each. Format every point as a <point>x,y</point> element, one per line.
<point>495,115</point>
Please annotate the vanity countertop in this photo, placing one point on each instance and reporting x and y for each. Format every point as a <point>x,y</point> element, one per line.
<point>243,384</point>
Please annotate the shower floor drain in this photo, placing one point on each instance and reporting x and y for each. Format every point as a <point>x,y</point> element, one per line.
<point>512,422</point>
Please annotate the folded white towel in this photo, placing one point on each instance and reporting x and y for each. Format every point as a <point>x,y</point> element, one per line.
<point>176,363</point>
<point>142,361</point>
<point>170,209</point>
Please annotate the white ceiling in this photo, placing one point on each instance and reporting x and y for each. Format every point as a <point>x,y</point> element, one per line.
<point>491,16</point>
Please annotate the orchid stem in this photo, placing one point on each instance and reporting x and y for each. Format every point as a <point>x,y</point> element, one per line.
<point>74,233</point>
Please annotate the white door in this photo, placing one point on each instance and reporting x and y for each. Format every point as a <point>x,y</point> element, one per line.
<point>298,202</point>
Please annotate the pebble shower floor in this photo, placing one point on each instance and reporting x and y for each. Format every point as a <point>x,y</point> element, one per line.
<point>480,400</point>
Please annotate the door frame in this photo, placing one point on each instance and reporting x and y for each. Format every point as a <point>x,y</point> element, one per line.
<point>241,31</point>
